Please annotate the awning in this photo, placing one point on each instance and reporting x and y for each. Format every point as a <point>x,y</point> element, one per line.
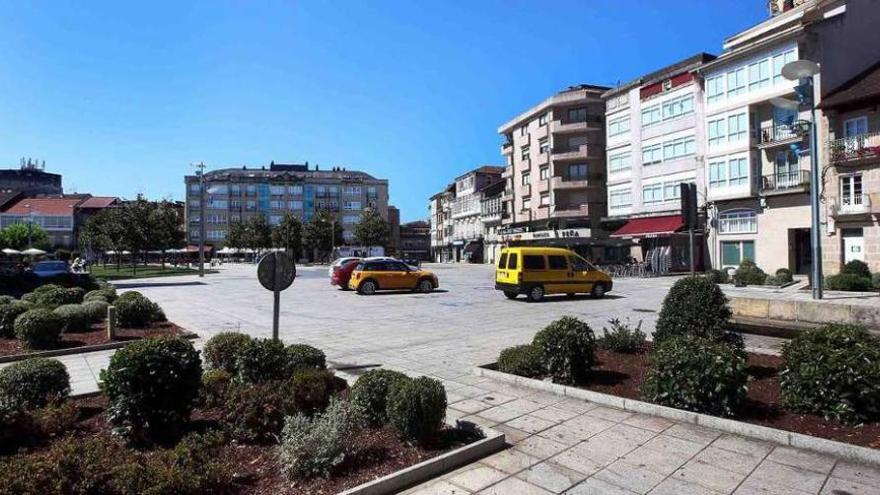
<point>473,247</point>
<point>650,226</point>
<point>195,249</point>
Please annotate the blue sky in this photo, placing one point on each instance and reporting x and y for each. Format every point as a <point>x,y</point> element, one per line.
<point>121,96</point>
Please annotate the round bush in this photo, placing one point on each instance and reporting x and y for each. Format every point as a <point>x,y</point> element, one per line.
<point>215,386</point>
<point>222,350</point>
<point>748,273</point>
<point>567,348</point>
<point>833,371</point>
<point>52,296</point>
<point>76,317</point>
<point>522,360</point>
<point>152,385</point>
<point>135,311</point>
<point>107,295</point>
<point>39,328</point>
<point>32,383</point>
<point>262,360</point>
<point>858,268</point>
<point>693,306</point>
<point>718,276</point>
<point>848,282</point>
<point>696,374</point>
<point>6,300</point>
<point>370,394</point>
<point>304,357</point>
<point>316,445</point>
<point>8,314</point>
<point>96,309</point>
<point>416,408</point>
<point>784,275</point>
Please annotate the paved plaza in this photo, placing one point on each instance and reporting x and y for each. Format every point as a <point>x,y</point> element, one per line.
<point>559,445</point>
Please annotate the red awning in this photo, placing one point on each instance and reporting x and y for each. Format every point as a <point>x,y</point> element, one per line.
<point>639,227</point>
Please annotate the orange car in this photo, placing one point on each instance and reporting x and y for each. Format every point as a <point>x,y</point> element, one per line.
<point>372,275</point>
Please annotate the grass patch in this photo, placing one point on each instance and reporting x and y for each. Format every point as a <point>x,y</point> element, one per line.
<point>150,271</point>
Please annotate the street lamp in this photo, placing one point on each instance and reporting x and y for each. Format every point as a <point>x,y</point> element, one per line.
<point>200,172</point>
<point>804,71</point>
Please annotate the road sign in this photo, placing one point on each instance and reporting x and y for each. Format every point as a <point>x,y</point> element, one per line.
<point>276,272</point>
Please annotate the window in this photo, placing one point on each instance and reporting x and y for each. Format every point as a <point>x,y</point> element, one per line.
<point>274,219</point>
<point>542,120</point>
<point>195,188</point>
<point>544,173</point>
<point>524,130</point>
<point>235,190</point>
<point>218,203</point>
<point>678,107</point>
<point>527,204</point>
<point>779,61</point>
<point>618,126</point>
<point>759,75</point>
<point>855,127</point>
<point>739,171</point>
<point>276,205</point>
<point>714,89</point>
<point>352,190</point>
<point>251,189</point>
<point>512,261</point>
<point>577,114</point>
<point>195,203</point>
<point>737,127</point>
<point>738,222</point>
<point>556,262</point>
<point>651,115</point>
<point>526,179</point>
<point>618,163</point>
<point>620,199</point>
<point>524,152</point>
<point>578,264</point>
<point>851,190</point>
<point>216,235</point>
<point>276,190</point>
<point>717,174</point>
<point>736,82</point>
<point>234,204</point>
<point>678,148</point>
<point>251,205</point>
<point>545,199</point>
<point>502,261</point>
<point>652,193</point>
<point>671,191</point>
<point>543,145</point>
<point>533,262</point>
<point>349,220</point>
<point>717,132</point>
<point>351,205</point>
<point>295,205</point>
<point>295,190</point>
<point>578,171</point>
<point>734,252</point>
<point>652,154</point>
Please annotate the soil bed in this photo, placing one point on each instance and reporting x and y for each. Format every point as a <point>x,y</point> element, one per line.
<point>96,335</point>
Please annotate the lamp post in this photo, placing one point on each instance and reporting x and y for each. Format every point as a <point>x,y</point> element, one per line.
<point>804,71</point>
<point>200,172</point>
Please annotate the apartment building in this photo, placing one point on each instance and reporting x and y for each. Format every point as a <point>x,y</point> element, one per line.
<point>655,141</point>
<point>236,194</point>
<point>492,211</point>
<point>439,213</point>
<point>415,241</point>
<point>60,216</point>
<point>555,172</point>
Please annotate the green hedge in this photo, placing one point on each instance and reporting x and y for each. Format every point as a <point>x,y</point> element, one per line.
<point>567,347</point>
<point>39,328</point>
<point>694,306</point>
<point>32,383</point>
<point>222,350</point>
<point>369,394</point>
<point>849,282</point>
<point>416,408</point>
<point>523,360</point>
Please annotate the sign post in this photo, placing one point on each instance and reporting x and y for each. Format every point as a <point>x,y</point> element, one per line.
<point>276,272</point>
<point>689,216</point>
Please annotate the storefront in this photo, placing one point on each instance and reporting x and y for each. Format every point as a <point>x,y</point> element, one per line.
<point>578,240</point>
<point>660,242</point>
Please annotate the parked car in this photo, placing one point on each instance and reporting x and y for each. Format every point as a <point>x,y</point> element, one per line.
<point>50,268</point>
<point>339,262</point>
<point>342,274</point>
<point>371,275</point>
<point>537,271</point>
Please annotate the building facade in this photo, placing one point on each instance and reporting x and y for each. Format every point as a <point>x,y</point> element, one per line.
<point>439,214</point>
<point>555,172</point>
<point>654,142</point>
<point>466,213</point>
<point>236,194</point>
<point>415,241</point>
<point>491,214</point>
<point>59,216</point>
<point>30,179</point>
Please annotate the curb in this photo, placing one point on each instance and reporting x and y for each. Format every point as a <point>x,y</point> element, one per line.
<point>80,350</point>
<point>427,470</point>
<point>764,433</point>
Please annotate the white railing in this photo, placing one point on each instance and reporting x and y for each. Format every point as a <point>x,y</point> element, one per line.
<point>854,147</point>
<point>854,203</point>
<point>738,225</point>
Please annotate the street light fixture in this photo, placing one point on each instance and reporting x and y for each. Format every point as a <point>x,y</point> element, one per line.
<point>804,71</point>
<point>200,172</point>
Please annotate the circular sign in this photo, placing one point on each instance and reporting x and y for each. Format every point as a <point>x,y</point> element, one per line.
<point>275,271</point>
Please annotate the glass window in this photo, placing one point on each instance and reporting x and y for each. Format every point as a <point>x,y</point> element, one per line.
<point>717,174</point>
<point>512,261</point>
<point>678,107</point>
<point>543,145</point>
<point>578,264</point>
<point>620,199</point>
<point>617,163</point>
<point>652,154</point>
<point>526,179</point>
<point>578,171</point>
<point>542,120</point>
<point>714,89</point>
<point>556,262</point>
<point>577,114</point>
<point>717,132</point>
<point>652,193</point>
<point>651,115</point>
<point>759,75</point>
<point>544,173</point>
<point>736,82</point>
<point>736,127</point>
<point>618,126</point>
<point>738,222</point>
<point>533,262</point>
<point>779,61</point>
<point>739,172</point>
<point>502,261</point>
<point>524,152</point>
<point>545,199</point>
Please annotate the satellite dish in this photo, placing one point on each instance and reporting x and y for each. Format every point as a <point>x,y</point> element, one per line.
<point>799,69</point>
<point>784,103</point>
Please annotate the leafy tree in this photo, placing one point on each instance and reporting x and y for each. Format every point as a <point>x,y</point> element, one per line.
<point>319,233</point>
<point>372,229</point>
<point>16,236</point>
<point>235,238</point>
<point>258,234</point>
<point>106,231</point>
<point>164,228</point>
<point>288,234</point>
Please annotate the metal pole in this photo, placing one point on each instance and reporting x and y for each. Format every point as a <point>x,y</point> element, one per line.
<point>815,235</point>
<point>691,249</point>
<point>275,312</point>
<point>201,168</point>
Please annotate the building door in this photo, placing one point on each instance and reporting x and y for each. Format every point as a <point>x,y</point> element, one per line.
<point>853,245</point>
<point>799,245</point>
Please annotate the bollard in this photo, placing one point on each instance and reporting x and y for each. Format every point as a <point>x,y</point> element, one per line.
<point>111,322</point>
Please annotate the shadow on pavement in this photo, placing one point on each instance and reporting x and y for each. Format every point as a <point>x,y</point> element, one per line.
<point>561,298</point>
<point>133,285</point>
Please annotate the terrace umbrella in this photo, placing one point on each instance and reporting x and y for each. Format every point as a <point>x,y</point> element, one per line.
<point>10,251</point>
<point>33,252</point>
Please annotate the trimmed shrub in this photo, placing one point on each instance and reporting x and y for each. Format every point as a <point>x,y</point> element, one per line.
<point>693,306</point>
<point>833,371</point>
<point>52,296</point>
<point>523,360</point>
<point>6,300</point>
<point>222,350</point>
<point>858,268</point>
<point>848,282</point>
<point>76,317</point>
<point>8,314</point>
<point>38,328</point>
<point>622,337</point>
<point>32,383</point>
<point>107,295</point>
<point>152,385</point>
<point>96,309</point>
<point>567,348</point>
<point>312,389</point>
<point>718,276</point>
<point>748,273</point>
<point>369,394</point>
<point>262,360</point>
<point>416,408</point>
<point>785,275</point>
<point>315,446</point>
<point>304,357</point>
<point>216,384</point>
<point>136,311</point>
<point>696,374</point>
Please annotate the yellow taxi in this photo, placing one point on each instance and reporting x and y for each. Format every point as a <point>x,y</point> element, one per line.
<point>371,275</point>
<point>537,271</point>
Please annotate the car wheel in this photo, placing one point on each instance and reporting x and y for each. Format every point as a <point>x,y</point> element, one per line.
<point>510,295</point>
<point>425,286</point>
<point>536,293</point>
<point>570,294</point>
<point>367,288</point>
<point>598,291</point>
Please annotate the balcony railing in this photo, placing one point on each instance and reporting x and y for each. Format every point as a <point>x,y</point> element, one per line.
<point>853,204</point>
<point>783,132</point>
<point>795,179</point>
<point>571,210</point>
<point>854,148</point>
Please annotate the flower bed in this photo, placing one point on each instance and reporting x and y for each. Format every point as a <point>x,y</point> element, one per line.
<point>95,335</point>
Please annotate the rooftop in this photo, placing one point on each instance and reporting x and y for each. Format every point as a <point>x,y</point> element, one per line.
<point>44,206</point>
<point>569,95</point>
<point>98,202</point>
<point>682,66</point>
<point>281,171</point>
<point>861,89</point>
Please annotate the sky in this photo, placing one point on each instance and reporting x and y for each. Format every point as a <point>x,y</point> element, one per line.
<point>121,97</point>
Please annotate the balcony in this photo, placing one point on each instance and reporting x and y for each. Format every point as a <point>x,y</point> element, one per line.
<point>525,190</point>
<point>854,150</point>
<point>795,181</point>
<point>590,123</point>
<point>577,153</point>
<point>506,195</point>
<point>542,186</point>
<point>558,183</point>
<point>781,134</point>
<point>507,148</point>
<point>570,211</point>
<point>854,206</point>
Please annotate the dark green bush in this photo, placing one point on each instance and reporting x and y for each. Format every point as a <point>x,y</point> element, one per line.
<point>785,275</point>
<point>875,280</point>
<point>38,328</point>
<point>316,445</point>
<point>693,306</point>
<point>136,311</point>
<point>52,296</point>
<point>416,408</point>
<point>6,300</point>
<point>370,394</point>
<point>567,348</point>
<point>76,317</point>
<point>748,273</point>
<point>833,371</point>
<point>152,385</point>
<point>216,384</point>
<point>622,337</point>
<point>32,383</point>
<point>523,360</point>
<point>304,356</point>
<point>858,268</point>
<point>312,389</point>
<point>222,350</point>
<point>696,374</point>
<point>8,314</point>
<point>262,360</point>
<point>718,276</point>
<point>96,309</point>
<point>107,295</point>
<point>848,282</point>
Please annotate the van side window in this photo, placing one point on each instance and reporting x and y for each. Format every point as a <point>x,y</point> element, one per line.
<point>557,262</point>
<point>533,262</point>
<point>511,262</point>
<point>578,264</point>
<point>502,261</point>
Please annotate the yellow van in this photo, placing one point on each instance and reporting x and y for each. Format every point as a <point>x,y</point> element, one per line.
<point>536,271</point>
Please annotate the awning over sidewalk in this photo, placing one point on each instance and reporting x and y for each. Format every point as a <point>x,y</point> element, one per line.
<point>650,226</point>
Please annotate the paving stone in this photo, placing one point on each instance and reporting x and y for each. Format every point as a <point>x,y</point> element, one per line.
<point>495,399</point>
<point>860,473</point>
<point>540,447</point>
<point>839,486</point>
<point>523,406</point>
<point>727,459</point>
<point>660,461</point>
<point>479,421</point>
<point>438,488</point>
<point>675,486</point>
<point>789,476</point>
<point>743,445</point>
<point>710,476</point>
<point>693,433</point>
<point>645,422</point>
<point>576,405</point>
<point>531,424</point>
<point>554,413</point>
<point>632,477</point>
<point>469,406</point>
<point>551,476</point>
<point>593,486</point>
<point>500,414</point>
<point>609,413</point>
<point>510,461</point>
<point>512,435</point>
<point>514,486</point>
<point>755,486</point>
<point>674,445</point>
<point>477,476</point>
<point>803,459</point>
<point>564,433</point>
<point>577,460</point>
<point>589,425</point>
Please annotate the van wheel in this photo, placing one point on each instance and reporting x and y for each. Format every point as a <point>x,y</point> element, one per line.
<point>536,293</point>
<point>570,294</point>
<point>367,288</point>
<point>598,291</point>
<point>425,286</point>
<point>510,295</point>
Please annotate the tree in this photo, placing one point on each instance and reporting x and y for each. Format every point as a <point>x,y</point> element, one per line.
<point>288,234</point>
<point>319,232</point>
<point>17,235</point>
<point>258,234</point>
<point>165,231</point>
<point>235,238</point>
<point>372,230</point>
<point>106,231</point>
